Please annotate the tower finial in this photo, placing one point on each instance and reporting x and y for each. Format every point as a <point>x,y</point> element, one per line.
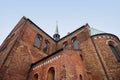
<point>56,36</point>
<point>56,31</point>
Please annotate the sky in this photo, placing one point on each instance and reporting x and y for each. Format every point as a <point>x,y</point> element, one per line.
<point>103,15</point>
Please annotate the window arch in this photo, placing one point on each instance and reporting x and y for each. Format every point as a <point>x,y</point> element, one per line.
<point>51,74</point>
<point>65,45</point>
<point>36,76</point>
<point>37,41</point>
<point>115,52</point>
<point>75,43</point>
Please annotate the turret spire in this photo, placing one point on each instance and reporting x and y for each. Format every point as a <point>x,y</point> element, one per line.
<point>56,36</point>
<point>56,31</point>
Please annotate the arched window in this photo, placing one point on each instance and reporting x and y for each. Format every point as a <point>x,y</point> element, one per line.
<point>81,77</point>
<point>37,41</point>
<point>65,45</point>
<point>45,47</point>
<point>36,76</point>
<point>51,74</point>
<point>115,52</point>
<point>75,43</point>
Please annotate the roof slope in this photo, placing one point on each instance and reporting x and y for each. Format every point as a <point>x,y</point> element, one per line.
<point>94,31</point>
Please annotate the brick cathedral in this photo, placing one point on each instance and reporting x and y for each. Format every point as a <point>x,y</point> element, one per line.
<point>29,53</point>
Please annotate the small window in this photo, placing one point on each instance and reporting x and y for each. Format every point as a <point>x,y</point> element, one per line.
<point>65,45</point>
<point>37,41</point>
<point>36,76</point>
<point>81,77</point>
<point>115,52</point>
<point>45,47</point>
<point>51,74</point>
<point>81,57</point>
<point>75,43</point>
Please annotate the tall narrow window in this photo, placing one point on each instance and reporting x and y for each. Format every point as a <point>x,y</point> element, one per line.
<point>36,77</point>
<point>81,77</point>
<point>75,43</point>
<point>81,57</point>
<point>37,41</point>
<point>51,74</point>
<point>115,52</point>
<point>65,45</point>
<point>45,47</point>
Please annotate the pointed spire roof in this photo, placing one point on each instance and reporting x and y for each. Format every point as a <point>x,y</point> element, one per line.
<point>56,31</point>
<point>56,36</point>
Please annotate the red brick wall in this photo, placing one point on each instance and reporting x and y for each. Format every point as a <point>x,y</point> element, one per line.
<point>8,48</point>
<point>28,39</point>
<point>10,40</point>
<point>19,51</point>
<point>91,60</point>
<point>68,65</point>
<point>92,65</point>
<point>109,60</point>
<point>30,34</point>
